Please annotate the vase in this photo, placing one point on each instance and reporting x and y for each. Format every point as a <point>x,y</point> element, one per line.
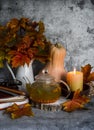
<point>25,75</point>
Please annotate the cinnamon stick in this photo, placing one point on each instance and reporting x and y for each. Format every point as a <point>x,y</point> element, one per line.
<point>13,90</point>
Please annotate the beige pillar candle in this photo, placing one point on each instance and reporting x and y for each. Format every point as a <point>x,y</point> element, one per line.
<point>75,80</point>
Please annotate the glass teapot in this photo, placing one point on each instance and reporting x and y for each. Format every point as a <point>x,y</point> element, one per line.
<point>45,89</point>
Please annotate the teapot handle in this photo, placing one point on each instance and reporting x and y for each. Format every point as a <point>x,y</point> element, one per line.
<point>68,88</point>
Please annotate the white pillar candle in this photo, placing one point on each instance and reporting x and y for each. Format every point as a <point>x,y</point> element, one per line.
<point>75,80</point>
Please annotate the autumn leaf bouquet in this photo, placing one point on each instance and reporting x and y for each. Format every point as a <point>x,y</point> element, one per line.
<point>22,40</point>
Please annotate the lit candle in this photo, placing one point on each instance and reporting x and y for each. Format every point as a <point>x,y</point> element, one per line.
<point>75,80</point>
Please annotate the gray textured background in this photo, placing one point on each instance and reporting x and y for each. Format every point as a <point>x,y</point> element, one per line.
<point>70,22</point>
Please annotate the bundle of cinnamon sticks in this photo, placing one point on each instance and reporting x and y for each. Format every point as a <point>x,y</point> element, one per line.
<point>9,94</point>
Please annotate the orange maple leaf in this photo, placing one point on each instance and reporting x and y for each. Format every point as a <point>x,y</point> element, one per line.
<point>25,43</point>
<point>78,101</point>
<point>19,61</point>
<point>20,58</point>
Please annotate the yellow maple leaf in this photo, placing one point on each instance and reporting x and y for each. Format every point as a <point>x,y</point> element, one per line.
<point>17,111</point>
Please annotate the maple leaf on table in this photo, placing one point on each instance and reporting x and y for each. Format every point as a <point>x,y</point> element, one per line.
<point>17,111</point>
<point>77,102</point>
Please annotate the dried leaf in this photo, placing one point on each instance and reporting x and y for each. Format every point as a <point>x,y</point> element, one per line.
<point>90,77</point>
<point>21,57</point>
<point>86,69</point>
<point>87,75</point>
<point>78,101</point>
<point>23,22</point>
<point>41,27</point>
<point>82,99</point>
<point>72,105</point>
<point>18,111</point>
<point>12,108</point>
<point>19,60</point>
<point>13,23</point>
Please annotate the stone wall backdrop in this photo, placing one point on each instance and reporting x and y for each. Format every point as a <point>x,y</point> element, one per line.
<point>70,22</point>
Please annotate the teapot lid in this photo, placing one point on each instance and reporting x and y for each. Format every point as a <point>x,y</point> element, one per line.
<point>44,76</point>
